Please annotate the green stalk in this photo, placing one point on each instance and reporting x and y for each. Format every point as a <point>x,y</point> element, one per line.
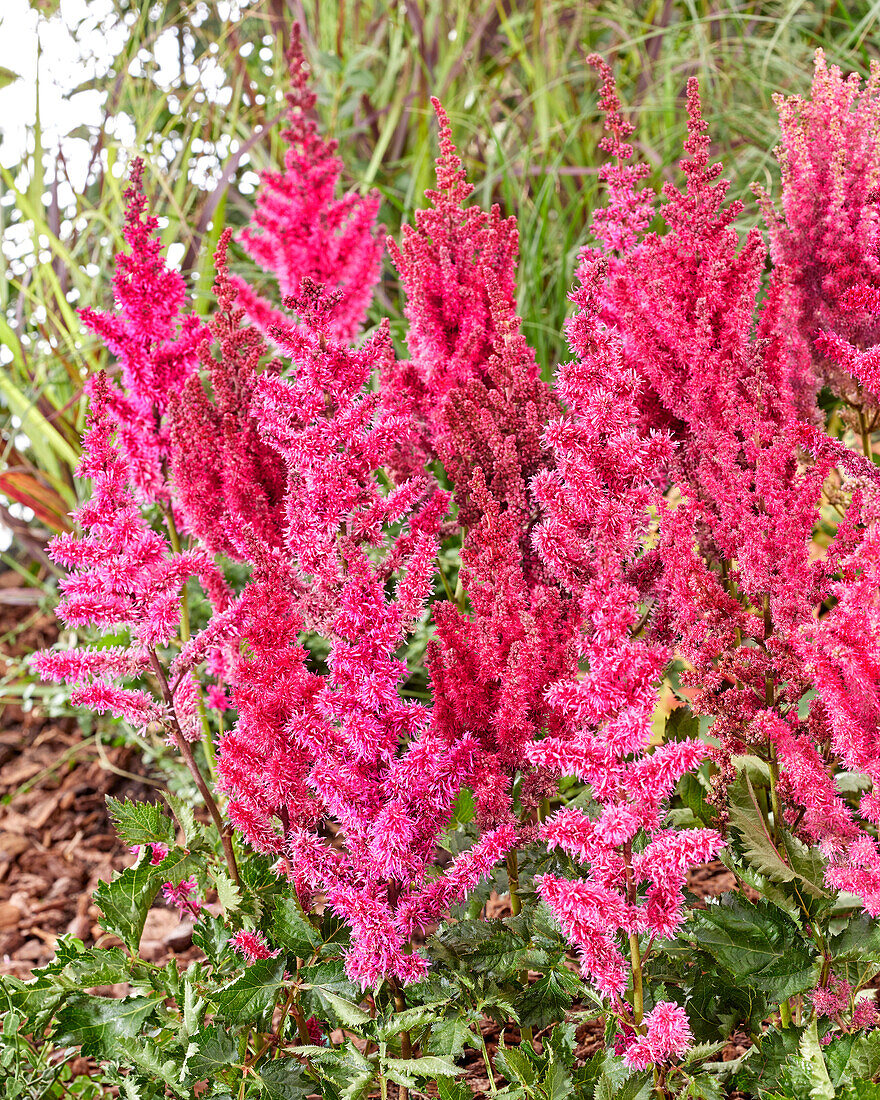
<point>635,956</point>
<point>516,909</point>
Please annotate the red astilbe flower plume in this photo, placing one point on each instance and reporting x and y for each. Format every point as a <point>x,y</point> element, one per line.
<point>229,482</point>
<point>448,263</point>
<point>345,747</point>
<point>156,344</point>
<point>824,237</point>
<point>300,229</point>
<point>593,536</point>
<point>741,587</point>
<point>122,573</point>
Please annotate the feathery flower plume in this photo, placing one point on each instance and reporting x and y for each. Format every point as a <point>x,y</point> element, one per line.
<point>823,239</point>
<point>157,345</point>
<point>345,747</point>
<point>300,229</point>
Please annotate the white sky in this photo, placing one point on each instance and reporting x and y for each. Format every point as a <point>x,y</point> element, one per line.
<point>77,43</point>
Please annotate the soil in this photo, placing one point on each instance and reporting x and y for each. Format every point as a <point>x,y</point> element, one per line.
<point>57,842</point>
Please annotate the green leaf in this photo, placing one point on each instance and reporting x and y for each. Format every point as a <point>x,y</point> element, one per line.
<point>757,944</point>
<point>346,1012</point>
<point>284,1079</point>
<point>762,1070</point>
<point>859,939</point>
<point>212,936</point>
<point>411,1018</point>
<point>126,899</point>
<point>7,77</point>
<point>702,1087</point>
<point>426,1069</point>
<point>144,1057</point>
<point>292,930</point>
<point>246,999</point>
<point>548,999</point>
<point>98,966</point>
<point>210,1052</point>
<point>193,832</point>
<point>746,816</point>
<point>516,1066</point>
<point>453,1090</point>
<point>96,1023</point>
<point>449,1036</point>
<point>228,893</point>
<point>141,822</point>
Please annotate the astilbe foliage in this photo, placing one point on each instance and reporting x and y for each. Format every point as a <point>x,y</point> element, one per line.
<point>156,342</point>
<point>301,230</point>
<point>823,235</point>
<point>344,747</point>
<point>595,505</point>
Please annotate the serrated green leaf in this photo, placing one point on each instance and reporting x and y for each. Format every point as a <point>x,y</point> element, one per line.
<point>859,939</point>
<point>144,1057</point>
<point>547,1000</point>
<point>292,930</point>
<point>702,1087</point>
<point>449,1036</point>
<point>96,1023</point>
<point>347,1012</point>
<point>211,1051</point>
<point>212,936</point>
<point>126,899</point>
<point>411,1018</point>
<point>516,1066</point>
<point>193,832</point>
<point>425,1069</point>
<point>249,996</point>
<point>453,1090</point>
<point>141,822</point>
<point>284,1080</point>
<point>98,966</point>
<point>228,893</point>
<point>757,944</point>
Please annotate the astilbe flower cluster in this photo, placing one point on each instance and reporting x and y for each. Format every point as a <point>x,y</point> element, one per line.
<point>228,481</point>
<point>345,747</point>
<point>453,263</point>
<point>155,342</point>
<point>740,593</point>
<point>823,236</point>
<point>593,535</point>
<point>486,427</point>
<point>301,230</point>
<point>122,573</point>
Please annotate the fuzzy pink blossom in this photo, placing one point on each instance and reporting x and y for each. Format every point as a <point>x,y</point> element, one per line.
<point>181,895</point>
<point>667,1035</point>
<point>156,343</point>
<point>865,1013</point>
<point>300,229</point>
<point>120,573</point>
<point>252,945</point>
<point>823,236</point>
<point>344,747</point>
<point>832,998</point>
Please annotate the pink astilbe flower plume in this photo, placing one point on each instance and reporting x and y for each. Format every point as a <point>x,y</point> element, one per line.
<point>346,747</point>
<point>229,482</point>
<point>121,573</point>
<point>300,229</point>
<point>739,589</point>
<point>156,343</point>
<point>823,236</point>
<point>443,264</point>
<point>593,535</point>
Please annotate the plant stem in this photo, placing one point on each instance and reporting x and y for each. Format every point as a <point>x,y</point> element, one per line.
<point>190,761</point>
<point>636,966</point>
<point>516,909</point>
<point>867,450</point>
<point>489,1072</point>
<point>405,1041</point>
